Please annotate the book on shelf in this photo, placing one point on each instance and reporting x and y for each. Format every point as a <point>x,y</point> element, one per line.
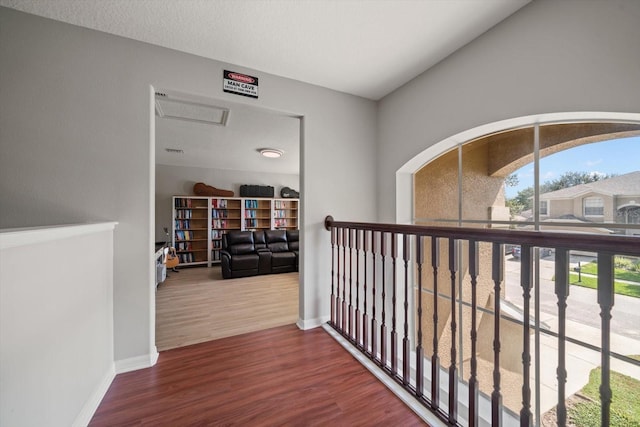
<point>183,246</point>
<point>219,203</point>
<point>184,235</point>
<point>183,223</point>
<point>186,257</point>
<point>219,223</point>
<point>219,213</point>
<point>280,223</point>
<point>250,204</point>
<point>184,214</point>
<point>182,202</point>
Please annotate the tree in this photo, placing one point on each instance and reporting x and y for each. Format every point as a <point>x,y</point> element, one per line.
<point>515,206</point>
<point>512,180</point>
<point>521,202</point>
<point>570,179</point>
<point>524,199</point>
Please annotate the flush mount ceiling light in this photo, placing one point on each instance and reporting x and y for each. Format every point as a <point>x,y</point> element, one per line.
<point>272,153</point>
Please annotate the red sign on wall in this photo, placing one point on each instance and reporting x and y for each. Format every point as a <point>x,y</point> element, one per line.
<point>240,84</point>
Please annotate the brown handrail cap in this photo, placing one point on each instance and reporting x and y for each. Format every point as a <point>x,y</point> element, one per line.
<point>328,220</point>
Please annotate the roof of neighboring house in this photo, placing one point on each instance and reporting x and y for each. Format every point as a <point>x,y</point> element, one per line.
<point>621,185</point>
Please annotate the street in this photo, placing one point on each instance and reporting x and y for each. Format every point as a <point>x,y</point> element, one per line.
<point>582,304</point>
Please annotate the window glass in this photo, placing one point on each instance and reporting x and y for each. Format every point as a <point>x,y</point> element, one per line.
<point>581,183</point>
<point>593,206</point>
<point>543,207</point>
<point>436,191</point>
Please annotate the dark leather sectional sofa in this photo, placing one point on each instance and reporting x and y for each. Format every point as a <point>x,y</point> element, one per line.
<point>249,253</point>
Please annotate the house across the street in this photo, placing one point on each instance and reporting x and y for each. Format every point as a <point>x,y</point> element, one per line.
<point>612,200</point>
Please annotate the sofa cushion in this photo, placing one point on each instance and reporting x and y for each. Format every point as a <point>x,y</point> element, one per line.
<point>279,259</point>
<point>259,241</point>
<point>292,240</point>
<point>239,242</point>
<point>276,240</point>
<point>245,262</point>
<point>244,248</point>
<point>235,237</point>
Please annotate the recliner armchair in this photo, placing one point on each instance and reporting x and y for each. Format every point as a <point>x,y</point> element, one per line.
<point>240,256</point>
<point>294,245</point>
<point>282,258</point>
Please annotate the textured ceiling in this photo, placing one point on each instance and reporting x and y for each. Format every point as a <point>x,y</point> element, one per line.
<point>234,146</point>
<point>362,47</point>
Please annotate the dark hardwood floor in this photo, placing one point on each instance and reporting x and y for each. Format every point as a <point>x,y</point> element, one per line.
<point>276,377</point>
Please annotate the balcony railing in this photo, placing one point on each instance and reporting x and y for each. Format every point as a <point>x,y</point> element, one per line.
<point>423,303</point>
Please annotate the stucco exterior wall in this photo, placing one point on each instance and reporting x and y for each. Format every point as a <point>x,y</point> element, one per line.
<point>560,207</point>
<point>436,189</point>
<point>627,200</point>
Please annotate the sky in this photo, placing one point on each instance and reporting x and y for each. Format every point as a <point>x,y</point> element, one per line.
<point>617,156</point>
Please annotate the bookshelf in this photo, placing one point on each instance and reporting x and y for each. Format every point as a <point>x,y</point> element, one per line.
<point>200,222</point>
<point>226,215</point>
<point>257,214</point>
<point>285,214</point>
<point>190,229</point>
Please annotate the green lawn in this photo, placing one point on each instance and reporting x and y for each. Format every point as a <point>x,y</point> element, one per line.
<point>625,406</point>
<point>620,273</point>
<point>592,282</point>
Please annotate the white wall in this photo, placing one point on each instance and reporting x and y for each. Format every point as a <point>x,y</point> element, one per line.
<point>549,57</point>
<point>75,126</point>
<point>179,180</point>
<point>56,324</point>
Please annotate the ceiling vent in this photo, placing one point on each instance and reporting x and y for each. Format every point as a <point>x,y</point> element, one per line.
<point>172,108</point>
<point>174,150</point>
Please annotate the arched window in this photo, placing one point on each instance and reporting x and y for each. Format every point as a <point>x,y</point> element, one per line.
<point>548,176</point>
<point>555,176</point>
<point>629,214</point>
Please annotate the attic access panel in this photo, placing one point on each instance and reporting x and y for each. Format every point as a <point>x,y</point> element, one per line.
<point>171,108</point>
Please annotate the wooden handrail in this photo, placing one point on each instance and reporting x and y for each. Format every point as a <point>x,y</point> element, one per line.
<point>619,245</point>
<point>379,340</point>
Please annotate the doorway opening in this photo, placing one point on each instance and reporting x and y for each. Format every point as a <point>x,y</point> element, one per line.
<point>217,143</point>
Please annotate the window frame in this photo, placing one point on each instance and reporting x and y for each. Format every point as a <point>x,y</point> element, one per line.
<point>544,211</point>
<point>585,202</point>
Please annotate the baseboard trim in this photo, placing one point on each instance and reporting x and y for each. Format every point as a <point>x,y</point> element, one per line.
<point>118,367</point>
<point>138,362</point>
<point>306,324</point>
<point>154,355</point>
<point>92,403</point>
<point>396,389</point>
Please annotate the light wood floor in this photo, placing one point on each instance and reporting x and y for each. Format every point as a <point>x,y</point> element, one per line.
<point>198,305</point>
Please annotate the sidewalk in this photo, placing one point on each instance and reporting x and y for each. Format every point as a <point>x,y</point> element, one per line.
<point>579,360</point>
